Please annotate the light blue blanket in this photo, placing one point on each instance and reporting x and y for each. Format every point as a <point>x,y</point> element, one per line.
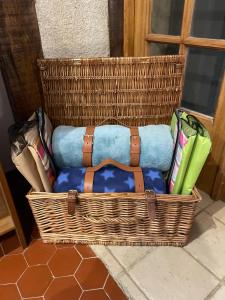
<point>113,141</point>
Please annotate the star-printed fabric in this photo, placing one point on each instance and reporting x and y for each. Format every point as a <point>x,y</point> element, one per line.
<point>109,179</point>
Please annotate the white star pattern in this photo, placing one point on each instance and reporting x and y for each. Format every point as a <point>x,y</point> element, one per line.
<point>130,182</point>
<point>63,177</point>
<point>107,174</point>
<point>108,190</point>
<point>153,174</point>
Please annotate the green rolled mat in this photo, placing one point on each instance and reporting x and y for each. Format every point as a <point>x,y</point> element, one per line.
<point>184,138</point>
<point>200,152</point>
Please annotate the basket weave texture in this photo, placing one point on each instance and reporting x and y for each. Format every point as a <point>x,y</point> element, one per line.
<point>135,91</point>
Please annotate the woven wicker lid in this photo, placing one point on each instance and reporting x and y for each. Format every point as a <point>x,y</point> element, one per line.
<point>135,90</point>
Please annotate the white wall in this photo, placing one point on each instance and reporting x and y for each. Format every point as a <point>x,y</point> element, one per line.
<point>73,28</point>
<point>6,119</point>
<point>68,28</point>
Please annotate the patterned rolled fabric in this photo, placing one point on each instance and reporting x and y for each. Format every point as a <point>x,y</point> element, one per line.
<point>110,177</point>
<point>148,146</point>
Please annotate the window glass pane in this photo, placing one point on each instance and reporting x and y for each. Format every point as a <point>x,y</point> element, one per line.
<point>204,72</point>
<point>166,17</point>
<point>209,19</point>
<point>163,49</point>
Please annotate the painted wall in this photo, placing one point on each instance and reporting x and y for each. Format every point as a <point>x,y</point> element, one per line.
<point>68,28</point>
<point>6,119</point>
<point>73,28</point>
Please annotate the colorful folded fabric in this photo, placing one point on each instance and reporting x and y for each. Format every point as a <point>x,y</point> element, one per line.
<point>200,152</point>
<point>31,150</point>
<point>113,141</point>
<point>192,145</point>
<point>39,153</point>
<point>184,137</point>
<point>109,179</point>
<point>25,164</point>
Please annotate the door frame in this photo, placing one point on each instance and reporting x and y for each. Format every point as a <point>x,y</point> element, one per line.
<point>137,37</point>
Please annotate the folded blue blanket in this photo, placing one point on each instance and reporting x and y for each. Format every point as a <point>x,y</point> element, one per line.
<point>108,179</point>
<point>113,141</point>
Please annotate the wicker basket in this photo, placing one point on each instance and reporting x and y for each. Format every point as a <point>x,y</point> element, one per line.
<point>136,91</point>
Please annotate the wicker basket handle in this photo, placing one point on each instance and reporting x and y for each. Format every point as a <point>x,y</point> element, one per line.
<point>111,119</point>
<point>151,201</point>
<point>137,171</point>
<point>151,207</point>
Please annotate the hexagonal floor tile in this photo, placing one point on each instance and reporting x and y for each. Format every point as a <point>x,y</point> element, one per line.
<point>91,274</point>
<point>85,251</point>
<point>34,281</point>
<point>94,295</point>
<point>113,290</point>
<point>9,292</point>
<point>64,262</point>
<point>39,253</point>
<point>63,288</point>
<point>11,267</point>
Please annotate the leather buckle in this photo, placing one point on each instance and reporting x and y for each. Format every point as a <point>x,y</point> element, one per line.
<point>88,135</point>
<point>71,201</point>
<point>88,143</point>
<point>151,203</point>
<point>135,144</point>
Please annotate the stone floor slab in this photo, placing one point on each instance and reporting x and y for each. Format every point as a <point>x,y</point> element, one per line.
<point>208,243</point>
<point>112,264</point>
<point>204,203</point>
<point>170,273</point>
<point>128,255</point>
<point>206,200</point>
<point>219,295</point>
<point>217,210</point>
<point>130,288</point>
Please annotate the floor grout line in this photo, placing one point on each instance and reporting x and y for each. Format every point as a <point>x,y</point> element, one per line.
<point>74,273</point>
<point>107,294</point>
<point>108,268</point>
<point>106,279</point>
<point>81,294</point>
<point>137,286</point>
<point>217,288</point>
<point>200,263</point>
<point>138,260</point>
<point>125,271</point>
<point>18,290</point>
<point>212,216</point>
<point>213,291</point>
<point>48,287</point>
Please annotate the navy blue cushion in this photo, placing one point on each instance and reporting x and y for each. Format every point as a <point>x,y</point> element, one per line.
<point>109,179</point>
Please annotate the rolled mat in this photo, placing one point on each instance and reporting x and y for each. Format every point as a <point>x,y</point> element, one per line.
<point>114,142</point>
<point>110,177</point>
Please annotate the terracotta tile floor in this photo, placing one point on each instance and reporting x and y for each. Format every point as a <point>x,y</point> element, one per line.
<point>55,272</point>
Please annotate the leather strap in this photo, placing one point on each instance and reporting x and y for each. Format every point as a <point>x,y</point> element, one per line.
<point>88,146</point>
<point>71,200</point>
<point>151,202</point>
<point>134,146</point>
<point>137,171</point>
<point>135,143</point>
